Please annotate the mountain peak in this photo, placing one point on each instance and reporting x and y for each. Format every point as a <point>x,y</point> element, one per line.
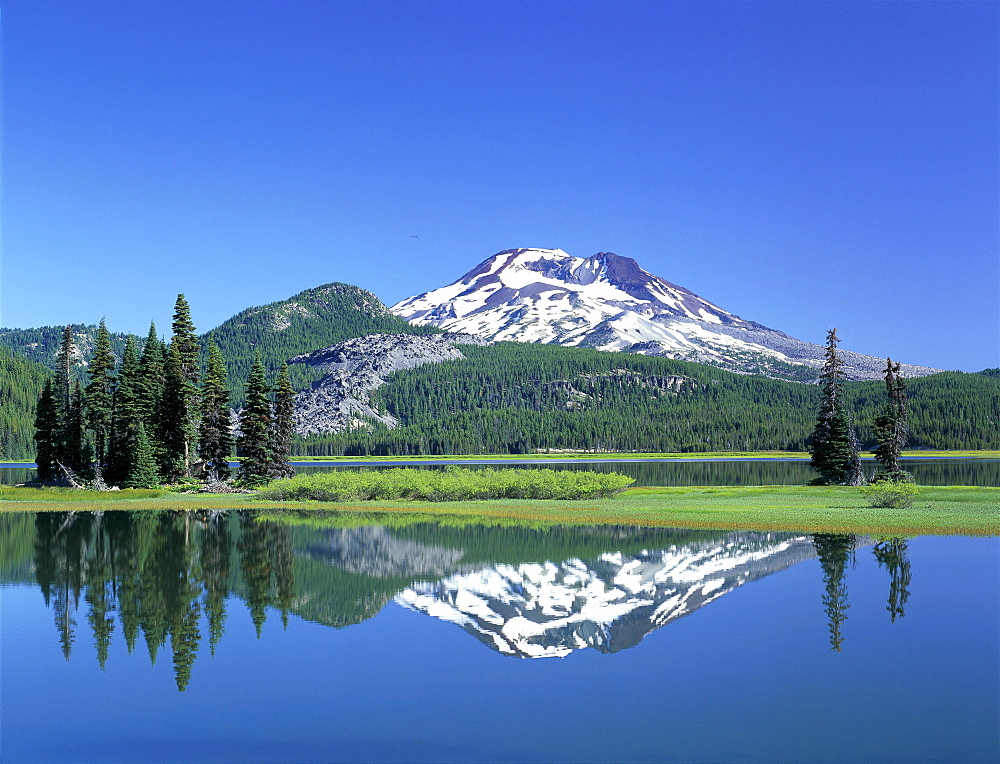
<point>610,302</point>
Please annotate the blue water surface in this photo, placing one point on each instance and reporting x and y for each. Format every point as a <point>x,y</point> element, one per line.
<point>748,675</point>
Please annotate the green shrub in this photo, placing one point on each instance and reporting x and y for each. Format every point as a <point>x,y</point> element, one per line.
<point>451,484</point>
<point>890,495</point>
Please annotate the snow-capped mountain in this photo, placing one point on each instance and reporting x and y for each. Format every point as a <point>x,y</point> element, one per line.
<point>608,302</point>
<point>549,609</point>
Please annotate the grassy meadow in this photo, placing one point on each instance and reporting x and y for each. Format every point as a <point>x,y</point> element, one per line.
<point>941,510</point>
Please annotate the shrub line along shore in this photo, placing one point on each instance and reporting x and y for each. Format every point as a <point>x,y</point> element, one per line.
<point>938,510</point>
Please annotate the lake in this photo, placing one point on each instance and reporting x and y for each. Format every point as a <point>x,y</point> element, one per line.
<point>169,636</point>
<point>926,471</point>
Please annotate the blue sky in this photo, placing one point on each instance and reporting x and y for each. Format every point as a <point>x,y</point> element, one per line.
<point>801,164</point>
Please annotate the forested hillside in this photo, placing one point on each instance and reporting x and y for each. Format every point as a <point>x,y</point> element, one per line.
<point>517,398</point>
<point>311,320</point>
<point>21,383</point>
<point>41,344</point>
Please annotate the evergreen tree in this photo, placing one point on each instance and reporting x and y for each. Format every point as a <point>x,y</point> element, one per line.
<point>47,431</point>
<point>253,443</point>
<point>63,398</point>
<point>127,414</point>
<point>832,445</point>
<point>174,419</point>
<point>99,394</point>
<point>142,464</point>
<point>182,381</point>
<point>215,439</point>
<point>282,427</point>
<point>79,451</point>
<point>65,362</point>
<point>891,428</point>
<point>150,387</point>
<point>150,400</point>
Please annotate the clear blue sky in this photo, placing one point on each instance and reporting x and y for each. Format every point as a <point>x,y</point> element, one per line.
<point>802,164</point>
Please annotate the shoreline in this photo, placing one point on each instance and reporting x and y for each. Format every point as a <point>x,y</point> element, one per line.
<point>938,510</point>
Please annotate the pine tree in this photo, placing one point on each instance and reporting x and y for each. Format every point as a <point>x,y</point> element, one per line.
<point>150,385</point>
<point>99,394</point>
<point>47,434</point>
<point>65,362</point>
<point>150,401</point>
<point>253,443</point>
<point>832,448</point>
<point>215,440</point>
<point>283,426</point>
<point>182,379</point>
<point>142,465</point>
<point>891,428</point>
<point>127,414</point>
<point>79,451</point>
<point>63,453</point>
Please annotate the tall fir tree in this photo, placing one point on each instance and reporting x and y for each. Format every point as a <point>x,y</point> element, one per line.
<point>99,395</point>
<point>215,439</point>
<point>174,420</point>
<point>833,442</point>
<point>183,375</point>
<point>282,426</point>
<point>66,360</point>
<point>47,434</point>
<point>253,443</point>
<point>891,427</point>
<point>127,414</point>
<point>79,451</point>
<point>150,387</point>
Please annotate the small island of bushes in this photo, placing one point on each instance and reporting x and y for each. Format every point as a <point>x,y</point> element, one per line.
<point>451,484</point>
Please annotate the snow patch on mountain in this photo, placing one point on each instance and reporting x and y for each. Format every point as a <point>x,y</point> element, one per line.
<point>609,303</point>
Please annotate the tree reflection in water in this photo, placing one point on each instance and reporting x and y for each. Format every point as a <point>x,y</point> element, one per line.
<point>165,578</point>
<point>834,551</point>
<point>159,571</point>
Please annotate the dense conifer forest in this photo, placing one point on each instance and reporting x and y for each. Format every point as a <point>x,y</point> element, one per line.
<point>21,382</point>
<point>518,398</point>
<point>504,398</point>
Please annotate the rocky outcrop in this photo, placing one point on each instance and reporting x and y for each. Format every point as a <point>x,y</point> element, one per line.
<point>357,367</point>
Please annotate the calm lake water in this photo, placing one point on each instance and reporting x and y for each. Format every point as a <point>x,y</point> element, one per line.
<point>232,637</point>
<point>946,471</point>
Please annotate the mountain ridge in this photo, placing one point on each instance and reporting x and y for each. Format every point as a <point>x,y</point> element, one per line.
<point>608,302</point>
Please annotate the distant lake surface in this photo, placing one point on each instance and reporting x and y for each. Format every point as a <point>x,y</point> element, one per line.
<point>232,637</point>
<point>930,471</point>
<point>946,471</point>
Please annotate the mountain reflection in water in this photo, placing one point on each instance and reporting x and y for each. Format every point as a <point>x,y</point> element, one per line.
<point>159,579</point>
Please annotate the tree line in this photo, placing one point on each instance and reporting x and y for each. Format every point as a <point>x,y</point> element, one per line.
<point>522,397</point>
<point>158,416</point>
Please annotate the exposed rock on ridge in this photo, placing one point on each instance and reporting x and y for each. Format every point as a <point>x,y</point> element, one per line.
<point>357,367</point>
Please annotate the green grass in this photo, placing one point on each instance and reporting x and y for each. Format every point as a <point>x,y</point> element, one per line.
<point>942,510</point>
<point>450,484</point>
<point>75,496</point>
